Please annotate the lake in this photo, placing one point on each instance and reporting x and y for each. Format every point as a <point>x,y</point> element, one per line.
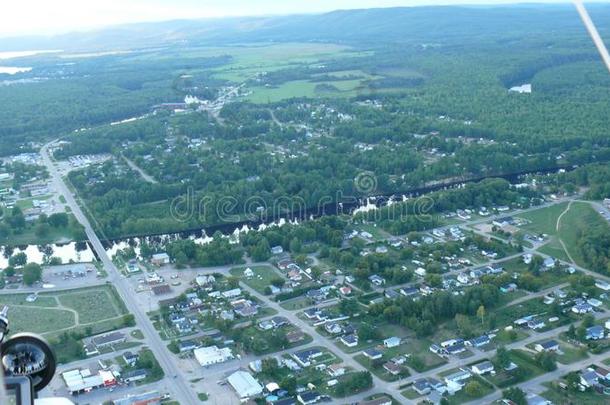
<point>68,253</point>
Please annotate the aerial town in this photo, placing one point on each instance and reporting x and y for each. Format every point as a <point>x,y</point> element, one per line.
<point>287,210</point>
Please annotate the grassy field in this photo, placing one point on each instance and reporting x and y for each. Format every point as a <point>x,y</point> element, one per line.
<point>543,220</point>
<point>559,396</point>
<point>96,307</point>
<point>302,88</point>
<point>92,305</point>
<point>39,319</point>
<point>580,217</point>
<point>263,275</point>
<point>526,370</point>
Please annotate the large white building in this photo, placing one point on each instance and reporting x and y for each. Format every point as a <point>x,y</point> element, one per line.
<point>212,355</point>
<point>244,384</point>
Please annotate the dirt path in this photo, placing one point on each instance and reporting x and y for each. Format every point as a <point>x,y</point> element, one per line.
<point>558,225</point>
<point>135,167</point>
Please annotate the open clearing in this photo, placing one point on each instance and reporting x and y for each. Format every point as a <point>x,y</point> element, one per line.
<point>98,307</point>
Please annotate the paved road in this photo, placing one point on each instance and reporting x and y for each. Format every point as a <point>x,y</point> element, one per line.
<point>180,390</point>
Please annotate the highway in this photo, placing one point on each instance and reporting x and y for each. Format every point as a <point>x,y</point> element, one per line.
<point>180,389</point>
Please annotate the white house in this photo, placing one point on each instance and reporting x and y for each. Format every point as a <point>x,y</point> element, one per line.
<point>391,342</point>
<point>483,368</point>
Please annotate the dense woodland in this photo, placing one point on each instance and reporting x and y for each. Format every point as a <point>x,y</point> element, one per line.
<point>426,110</point>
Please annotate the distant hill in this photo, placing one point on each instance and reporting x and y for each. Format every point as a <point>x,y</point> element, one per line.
<point>368,26</point>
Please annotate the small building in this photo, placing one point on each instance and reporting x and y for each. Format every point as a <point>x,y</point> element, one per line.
<point>377,280</point>
<point>161,289</point>
<point>421,386</point>
<point>392,368</point>
<point>483,368</point>
<point>305,357</point>
<point>146,398</point>
<point>277,250</point>
<point>595,333</point>
<point>108,339</point>
<point>547,346</point>
<point>336,370</point>
<point>309,397</point>
<point>458,377</point>
<point>244,384</point>
<point>186,345</point>
<point>130,358</point>
<point>372,354</point>
<point>212,355</point>
<point>479,341</point>
<point>350,340</point>
<point>588,378</point>
<point>582,308</point>
<point>548,263</point>
<point>391,342</point>
<point>160,259</point>
<point>134,375</point>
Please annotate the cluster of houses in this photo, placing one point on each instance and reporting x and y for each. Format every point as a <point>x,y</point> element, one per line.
<point>434,388</point>
<point>456,346</point>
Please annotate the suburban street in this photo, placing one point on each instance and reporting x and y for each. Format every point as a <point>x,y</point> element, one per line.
<point>179,388</point>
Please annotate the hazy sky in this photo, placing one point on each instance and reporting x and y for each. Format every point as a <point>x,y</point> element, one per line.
<point>55,16</point>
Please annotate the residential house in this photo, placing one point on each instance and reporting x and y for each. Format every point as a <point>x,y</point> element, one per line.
<point>582,308</point>
<point>305,357</point>
<point>309,397</point>
<point>547,346</point>
<point>186,345</point>
<point>458,377</point>
<point>595,333</point>
<point>483,368</point>
<point>588,378</point>
<point>336,370</point>
<point>479,341</point>
<point>134,375</point>
<point>377,280</point>
<point>350,340</point>
<point>130,358</point>
<point>391,342</point>
<point>372,354</point>
<point>333,328</point>
<point>421,386</point>
<point>392,368</point>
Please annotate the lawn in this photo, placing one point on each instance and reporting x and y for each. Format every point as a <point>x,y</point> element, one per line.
<point>263,275</point>
<point>462,397</point>
<point>526,370</point>
<point>421,358</point>
<point>543,220</point>
<point>564,397</point>
<point>376,367</point>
